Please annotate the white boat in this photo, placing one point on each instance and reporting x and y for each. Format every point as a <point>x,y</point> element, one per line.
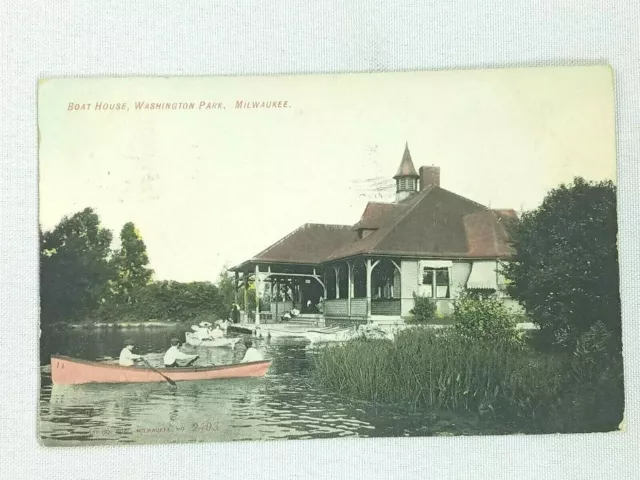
<point>335,334</point>
<point>274,332</point>
<point>194,341</point>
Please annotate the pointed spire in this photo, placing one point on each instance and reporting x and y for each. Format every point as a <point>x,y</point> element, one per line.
<point>406,168</point>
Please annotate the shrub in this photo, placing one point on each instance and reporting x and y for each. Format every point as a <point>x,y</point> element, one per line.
<point>484,318</point>
<point>424,309</point>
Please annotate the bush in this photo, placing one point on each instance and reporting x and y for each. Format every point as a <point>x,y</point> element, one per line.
<point>424,310</point>
<point>485,318</point>
<point>163,301</point>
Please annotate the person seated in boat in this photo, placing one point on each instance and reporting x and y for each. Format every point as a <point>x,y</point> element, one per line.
<point>203,331</point>
<point>127,357</point>
<point>252,354</point>
<point>172,355</point>
<point>216,332</point>
<point>223,324</point>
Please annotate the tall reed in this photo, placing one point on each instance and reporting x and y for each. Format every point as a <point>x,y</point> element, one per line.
<point>444,371</point>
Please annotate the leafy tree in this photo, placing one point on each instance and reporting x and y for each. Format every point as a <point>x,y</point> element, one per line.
<point>565,271</point>
<point>130,263</point>
<point>74,267</point>
<point>226,294</point>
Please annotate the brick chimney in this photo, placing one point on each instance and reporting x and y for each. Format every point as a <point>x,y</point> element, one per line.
<point>429,176</point>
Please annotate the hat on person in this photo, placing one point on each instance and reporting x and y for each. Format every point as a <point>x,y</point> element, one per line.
<point>175,341</point>
<point>128,342</point>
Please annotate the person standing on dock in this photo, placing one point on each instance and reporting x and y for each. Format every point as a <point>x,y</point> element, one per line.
<point>235,313</point>
<point>174,354</point>
<point>127,357</point>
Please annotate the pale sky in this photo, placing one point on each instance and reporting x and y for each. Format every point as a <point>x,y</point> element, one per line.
<point>213,187</point>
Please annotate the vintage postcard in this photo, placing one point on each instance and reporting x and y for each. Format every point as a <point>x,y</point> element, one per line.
<point>302,257</point>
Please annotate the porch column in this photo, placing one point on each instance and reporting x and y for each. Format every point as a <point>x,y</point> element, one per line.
<point>369,269</point>
<point>235,287</point>
<point>257,284</point>
<point>337,272</point>
<point>349,287</point>
<point>277,299</point>
<point>245,279</point>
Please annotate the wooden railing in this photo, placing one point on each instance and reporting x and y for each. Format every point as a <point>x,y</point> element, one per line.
<point>386,307</point>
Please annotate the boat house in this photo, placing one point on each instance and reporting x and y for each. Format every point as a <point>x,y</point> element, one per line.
<point>429,242</point>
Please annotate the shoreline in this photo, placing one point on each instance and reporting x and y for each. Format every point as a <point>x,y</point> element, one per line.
<point>117,325</point>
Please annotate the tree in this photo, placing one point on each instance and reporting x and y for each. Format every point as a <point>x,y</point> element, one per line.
<point>565,271</point>
<point>74,267</point>
<point>130,263</point>
<point>226,294</point>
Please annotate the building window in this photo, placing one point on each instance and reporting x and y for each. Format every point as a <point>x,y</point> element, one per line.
<point>437,281</point>
<point>406,184</point>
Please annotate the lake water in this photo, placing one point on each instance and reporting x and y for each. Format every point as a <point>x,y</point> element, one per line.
<point>282,405</point>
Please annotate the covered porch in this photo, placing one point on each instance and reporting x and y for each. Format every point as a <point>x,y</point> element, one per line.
<point>278,289</point>
<point>363,289</point>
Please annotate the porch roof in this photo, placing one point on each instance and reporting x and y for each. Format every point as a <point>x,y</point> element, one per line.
<point>310,244</point>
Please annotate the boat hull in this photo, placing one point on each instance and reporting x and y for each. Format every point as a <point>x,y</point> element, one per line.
<point>192,340</point>
<point>343,335</point>
<point>275,333</point>
<point>69,371</point>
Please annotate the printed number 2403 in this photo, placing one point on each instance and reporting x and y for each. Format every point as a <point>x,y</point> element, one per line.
<point>204,427</point>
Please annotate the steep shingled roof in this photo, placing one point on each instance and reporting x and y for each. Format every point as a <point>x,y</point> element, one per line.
<point>376,214</point>
<point>432,225</point>
<point>406,168</point>
<point>487,233</point>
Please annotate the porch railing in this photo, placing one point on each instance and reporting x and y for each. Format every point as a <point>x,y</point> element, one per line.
<point>340,307</point>
<point>336,308</point>
<point>385,307</point>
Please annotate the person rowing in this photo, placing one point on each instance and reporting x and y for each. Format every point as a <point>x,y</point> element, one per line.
<point>174,354</point>
<point>127,357</point>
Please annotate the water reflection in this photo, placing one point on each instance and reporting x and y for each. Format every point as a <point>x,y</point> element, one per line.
<point>283,404</point>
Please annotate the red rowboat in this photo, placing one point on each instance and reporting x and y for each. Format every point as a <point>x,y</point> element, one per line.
<point>71,371</point>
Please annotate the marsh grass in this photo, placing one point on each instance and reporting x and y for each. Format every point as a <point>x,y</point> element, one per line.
<point>427,370</point>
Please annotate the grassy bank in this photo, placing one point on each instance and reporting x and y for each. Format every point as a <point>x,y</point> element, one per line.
<point>442,371</point>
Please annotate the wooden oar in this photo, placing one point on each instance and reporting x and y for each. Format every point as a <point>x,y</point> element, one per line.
<point>160,373</point>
